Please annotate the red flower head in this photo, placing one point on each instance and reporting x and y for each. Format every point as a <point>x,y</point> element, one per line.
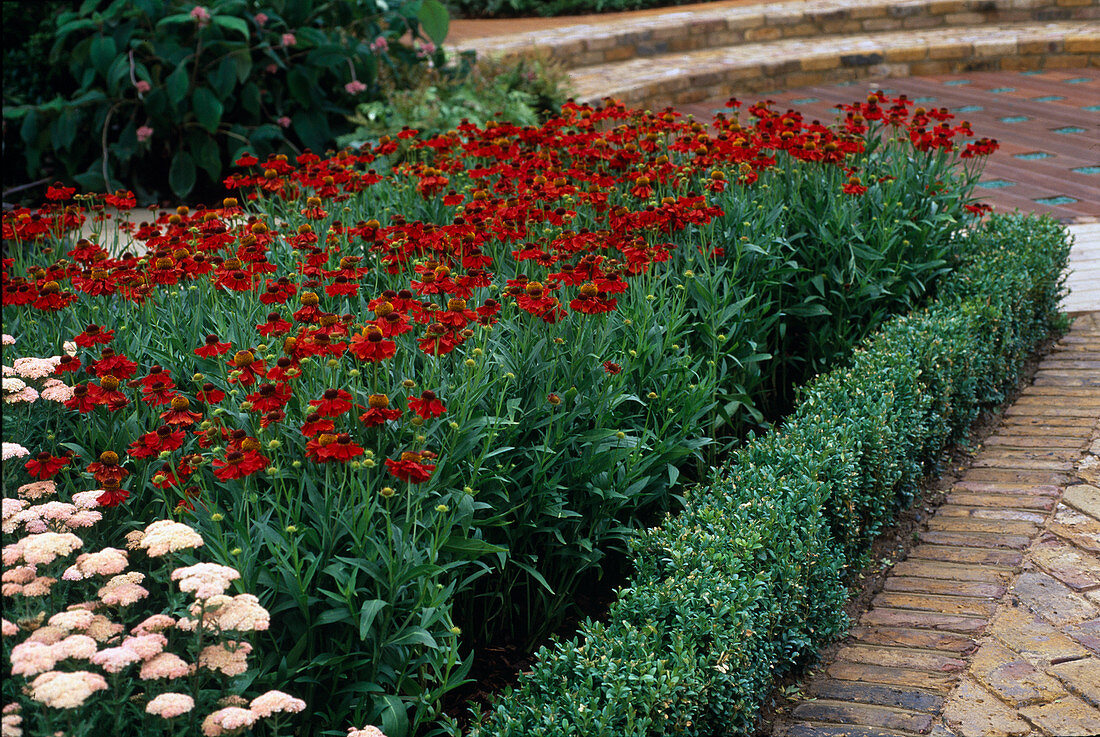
<point>269,397</point>
<point>44,465</point>
<point>853,187</point>
<point>82,401</point>
<point>410,468</point>
<point>108,393</point>
<point>591,301</point>
<point>110,364</point>
<point>152,443</point>
<point>271,417</point>
<point>316,424</point>
<point>158,393</point>
<point>107,468</point>
<point>334,403</point>
<point>212,347</point>
<point>274,325</point>
<point>371,346</point>
<point>612,368</point>
<point>437,341</point>
<point>456,315</point>
<point>238,464</point>
<point>209,394</point>
<point>112,494</point>
<point>179,414</point>
<point>379,411</point>
<point>329,447</point>
<point>68,363</point>
<point>51,298</point>
<point>92,335</point>
<point>309,311</point>
<point>427,405</point>
<point>250,369</point>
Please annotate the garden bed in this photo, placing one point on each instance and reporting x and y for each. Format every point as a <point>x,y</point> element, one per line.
<point>748,581</point>
<point>414,394</point>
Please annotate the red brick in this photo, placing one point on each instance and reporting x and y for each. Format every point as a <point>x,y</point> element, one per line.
<point>911,584</point>
<point>1056,442</point>
<point>983,487</point>
<point>948,642</point>
<point>863,714</point>
<point>868,693</point>
<point>906,677</point>
<point>953,554</point>
<point>887,617</point>
<point>956,571</point>
<point>1005,501</point>
<point>951,523</point>
<point>976,539</point>
<point>932,603</point>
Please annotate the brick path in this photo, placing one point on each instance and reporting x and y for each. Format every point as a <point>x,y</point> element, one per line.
<point>991,626</point>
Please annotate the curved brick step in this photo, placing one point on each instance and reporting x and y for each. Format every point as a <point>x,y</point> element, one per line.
<point>677,30</point>
<point>761,67</point>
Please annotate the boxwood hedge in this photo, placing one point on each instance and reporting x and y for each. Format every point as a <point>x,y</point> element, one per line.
<point>749,579</point>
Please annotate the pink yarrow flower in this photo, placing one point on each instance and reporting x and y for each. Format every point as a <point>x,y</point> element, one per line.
<point>227,720</point>
<point>166,665</point>
<point>379,45</point>
<point>170,705</point>
<point>66,690</point>
<point>273,702</point>
<point>261,19</point>
<point>205,580</point>
<point>142,86</point>
<point>144,133</point>
<point>355,87</point>
<point>288,40</point>
<point>12,450</point>
<point>367,731</point>
<point>200,14</point>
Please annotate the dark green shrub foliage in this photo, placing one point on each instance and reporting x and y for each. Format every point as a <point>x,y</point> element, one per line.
<point>161,95</point>
<point>749,579</point>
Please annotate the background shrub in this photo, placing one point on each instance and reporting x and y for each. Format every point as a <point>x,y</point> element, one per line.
<point>158,96</point>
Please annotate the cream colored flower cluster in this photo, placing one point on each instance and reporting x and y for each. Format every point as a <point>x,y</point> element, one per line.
<point>17,390</point>
<point>66,657</point>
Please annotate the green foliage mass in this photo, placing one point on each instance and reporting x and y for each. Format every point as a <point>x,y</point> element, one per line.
<point>158,97</point>
<point>748,580</point>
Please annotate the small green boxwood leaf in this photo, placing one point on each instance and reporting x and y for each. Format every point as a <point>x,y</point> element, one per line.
<point>181,174</point>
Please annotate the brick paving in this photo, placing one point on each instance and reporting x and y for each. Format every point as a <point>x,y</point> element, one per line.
<point>991,626</point>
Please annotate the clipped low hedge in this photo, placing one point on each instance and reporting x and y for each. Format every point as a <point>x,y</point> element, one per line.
<point>749,579</point>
